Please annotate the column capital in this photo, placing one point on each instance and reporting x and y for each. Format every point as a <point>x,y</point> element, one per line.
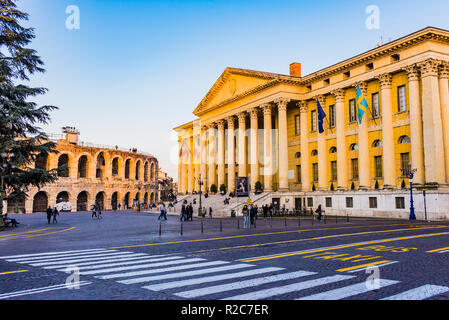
<point>242,116</point>
<point>254,113</point>
<point>267,108</point>
<point>412,72</point>
<point>282,103</point>
<point>386,80</point>
<point>210,126</point>
<point>303,106</point>
<point>231,121</point>
<point>429,68</point>
<point>443,70</point>
<point>321,98</point>
<point>220,124</point>
<point>339,95</point>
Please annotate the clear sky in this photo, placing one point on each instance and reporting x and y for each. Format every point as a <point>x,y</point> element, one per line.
<point>136,69</point>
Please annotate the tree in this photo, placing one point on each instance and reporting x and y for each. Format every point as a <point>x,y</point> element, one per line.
<point>21,138</point>
<point>222,188</point>
<point>258,186</point>
<point>213,188</point>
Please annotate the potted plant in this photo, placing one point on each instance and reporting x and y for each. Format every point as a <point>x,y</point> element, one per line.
<point>213,189</point>
<point>258,186</point>
<point>223,189</point>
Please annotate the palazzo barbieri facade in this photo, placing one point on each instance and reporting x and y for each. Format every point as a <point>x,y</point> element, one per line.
<point>264,126</point>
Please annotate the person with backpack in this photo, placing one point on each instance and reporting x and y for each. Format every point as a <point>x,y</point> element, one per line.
<point>55,213</point>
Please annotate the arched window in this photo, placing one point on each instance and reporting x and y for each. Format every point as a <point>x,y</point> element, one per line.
<point>145,172</point>
<point>41,161</point>
<point>353,147</point>
<point>100,165</point>
<point>314,153</point>
<point>333,150</point>
<point>63,166</point>
<point>82,167</point>
<point>138,170</point>
<point>115,167</point>
<point>298,155</point>
<point>404,139</point>
<point>127,167</point>
<point>377,143</point>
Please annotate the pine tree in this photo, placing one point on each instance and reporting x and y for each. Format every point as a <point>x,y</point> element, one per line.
<point>21,138</point>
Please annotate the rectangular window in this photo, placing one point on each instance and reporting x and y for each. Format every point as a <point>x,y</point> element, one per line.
<point>402,101</point>
<point>405,164</point>
<point>310,202</point>
<point>352,111</point>
<point>355,168</point>
<point>372,202</point>
<point>298,174</point>
<point>400,203</point>
<point>297,125</point>
<point>315,172</point>
<point>313,120</point>
<point>332,116</point>
<point>334,170</point>
<point>375,105</point>
<point>328,202</point>
<point>349,203</point>
<point>378,166</point>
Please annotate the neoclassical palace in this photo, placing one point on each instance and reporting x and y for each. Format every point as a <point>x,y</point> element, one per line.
<point>90,174</point>
<point>265,126</point>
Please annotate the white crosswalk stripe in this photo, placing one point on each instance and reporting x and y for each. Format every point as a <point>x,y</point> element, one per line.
<point>195,293</point>
<point>184,274</point>
<point>420,293</point>
<point>271,292</point>
<point>142,266</point>
<point>29,259</point>
<point>117,260</point>
<point>69,262</point>
<point>62,259</point>
<point>47,253</point>
<point>348,291</point>
<point>177,284</point>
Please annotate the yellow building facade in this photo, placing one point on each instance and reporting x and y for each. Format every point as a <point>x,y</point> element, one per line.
<point>265,126</point>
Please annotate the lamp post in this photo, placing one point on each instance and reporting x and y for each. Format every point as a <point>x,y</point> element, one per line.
<point>200,183</point>
<point>410,176</point>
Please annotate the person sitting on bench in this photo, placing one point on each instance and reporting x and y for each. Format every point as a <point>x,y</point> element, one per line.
<point>11,221</point>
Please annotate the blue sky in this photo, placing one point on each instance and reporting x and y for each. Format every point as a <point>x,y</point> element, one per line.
<point>136,69</point>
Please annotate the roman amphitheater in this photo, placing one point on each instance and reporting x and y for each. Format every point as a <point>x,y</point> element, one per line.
<point>88,174</point>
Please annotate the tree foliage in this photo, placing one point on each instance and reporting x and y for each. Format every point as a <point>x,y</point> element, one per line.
<point>21,138</point>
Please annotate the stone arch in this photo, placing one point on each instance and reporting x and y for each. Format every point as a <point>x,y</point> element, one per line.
<point>15,205</point>
<point>100,165</point>
<point>116,165</point>
<point>63,196</point>
<point>138,170</point>
<point>126,200</point>
<point>115,200</point>
<point>64,166</point>
<point>145,198</point>
<point>83,166</point>
<point>146,171</point>
<point>82,201</point>
<point>42,161</point>
<point>152,171</point>
<point>353,147</point>
<point>100,199</point>
<point>404,139</point>
<point>377,143</point>
<point>40,202</point>
<point>128,164</point>
<point>152,197</point>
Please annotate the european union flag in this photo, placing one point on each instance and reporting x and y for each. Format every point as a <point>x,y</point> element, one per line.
<point>321,116</point>
<point>362,104</point>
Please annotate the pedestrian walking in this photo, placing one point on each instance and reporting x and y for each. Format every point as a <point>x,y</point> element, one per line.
<point>204,212</point>
<point>210,212</point>
<point>183,213</point>
<point>55,213</point>
<point>264,210</point>
<point>270,210</point>
<point>49,214</point>
<point>245,214</point>
<point>319,211</point>
<point>119,207</point>
<point>163,215</point>
<point>190,216</point>
<point>251,214</point>
<point>94,211</point>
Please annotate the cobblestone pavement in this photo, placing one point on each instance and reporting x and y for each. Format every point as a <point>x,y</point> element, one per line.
<point>132,256</point>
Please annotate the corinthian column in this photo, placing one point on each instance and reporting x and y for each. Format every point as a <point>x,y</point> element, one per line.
<point>203,158</point>
<point>180,179</point>
<point>387,132</point>
<point>242,145</point>
<point>342,159</point>
<point>322,153</point>
<point>254,148</point>
<point>416,134</point>
<point>211,176</point>
<point>432,124</point>
<point>221,153</point>
<point>305,166</point>
<point>283,145</point>
<point>231,153</point>
<point>190,166</point>
<point>444,97</point>
<point>268,153</point>
<point>364,167</point>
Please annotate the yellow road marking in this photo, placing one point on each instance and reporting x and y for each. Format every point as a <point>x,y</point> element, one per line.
<point>16,234</point>
<point>436,250</point>
<point>345,246</point>
<point>267,234</point>
<point>10,272</point>
<point>39,235</point>
<point>363,265</point>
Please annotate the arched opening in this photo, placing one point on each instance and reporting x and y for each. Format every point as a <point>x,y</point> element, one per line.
<point>152,197</point>
<point>114,201</point>
<point>145,172</point>
<point>353,147</point>
<point>333,150</point>
<point>138,170</point>
<point>314,153</point>
<point>127,167</point>
<point>404,139</point>
<point>16,206</point>
<point>63,166</point>
<point>145,198</point>
<point>62,197</point>
<point>100,166</point>
<point>99,200</point>
<point>115,167</point>
<point>41,161</point>
<point>40,202</point>
<point>81,201</point>
<point>126,200</point>
<point>82,167</point>
<point>377,143</point>
<point>152,172</point>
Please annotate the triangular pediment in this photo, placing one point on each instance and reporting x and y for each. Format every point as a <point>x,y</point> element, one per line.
<point>232,83</point>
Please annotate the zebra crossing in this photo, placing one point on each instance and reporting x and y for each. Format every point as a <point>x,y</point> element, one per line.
<point>200,278</point>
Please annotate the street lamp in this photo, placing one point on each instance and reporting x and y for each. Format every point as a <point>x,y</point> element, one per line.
<point>410,176</point>
<point>200,183</point>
